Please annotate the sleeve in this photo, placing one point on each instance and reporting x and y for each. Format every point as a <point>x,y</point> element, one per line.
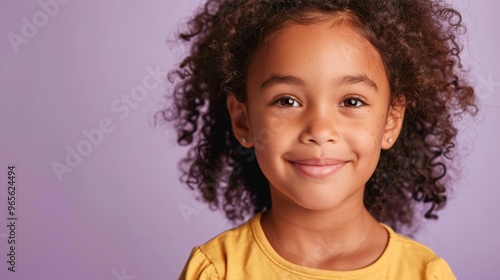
<point>198,267</point>
<point>439,269</point>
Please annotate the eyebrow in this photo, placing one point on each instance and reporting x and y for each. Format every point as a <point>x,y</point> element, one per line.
<point>275,79</point>
<point>281,79</point>
<point>359,78</point>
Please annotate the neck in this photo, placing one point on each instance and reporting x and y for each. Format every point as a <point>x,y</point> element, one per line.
<point>341,239</point>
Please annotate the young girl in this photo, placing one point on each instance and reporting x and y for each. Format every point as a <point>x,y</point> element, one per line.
<point>331,122</point>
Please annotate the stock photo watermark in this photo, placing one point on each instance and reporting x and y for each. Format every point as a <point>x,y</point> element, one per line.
<point>122,275</point>
<point>11,221</point>
<point>31,26</point>
<point>486,86</point>
<point>121,108</point>
<point>189,210</point>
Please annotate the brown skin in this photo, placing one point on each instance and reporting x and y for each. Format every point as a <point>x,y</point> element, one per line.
<point>419,42</point>
<point>324,241</point>
<point>316,114</point>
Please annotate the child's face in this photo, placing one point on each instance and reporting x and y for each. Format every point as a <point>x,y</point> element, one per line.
<point>318,114</point>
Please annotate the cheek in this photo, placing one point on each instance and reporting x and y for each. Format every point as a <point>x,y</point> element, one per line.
<point>366,136</point>
<point>269,128</point>
<point>263,138</point>
<point>266,134</point>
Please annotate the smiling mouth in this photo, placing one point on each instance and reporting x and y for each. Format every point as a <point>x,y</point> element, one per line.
<point>318,168</point>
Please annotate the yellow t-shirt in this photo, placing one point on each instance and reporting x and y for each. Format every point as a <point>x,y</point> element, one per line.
<point>245,253</point>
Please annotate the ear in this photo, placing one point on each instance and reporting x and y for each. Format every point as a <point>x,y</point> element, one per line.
<point>393,124</point>
<point>239,121</point>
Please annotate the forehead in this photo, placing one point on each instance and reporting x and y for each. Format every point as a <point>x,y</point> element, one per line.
<point>333,44</point>
<point>322,33</point>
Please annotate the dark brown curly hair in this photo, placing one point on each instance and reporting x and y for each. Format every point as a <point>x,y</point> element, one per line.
<point>417,40</point>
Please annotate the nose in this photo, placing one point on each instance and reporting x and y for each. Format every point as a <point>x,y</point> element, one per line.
<point>319,129</point>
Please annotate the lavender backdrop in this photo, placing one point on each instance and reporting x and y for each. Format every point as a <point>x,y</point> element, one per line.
<point>86,77</point>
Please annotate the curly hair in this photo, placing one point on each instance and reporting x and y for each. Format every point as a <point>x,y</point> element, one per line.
<point>419,46</point>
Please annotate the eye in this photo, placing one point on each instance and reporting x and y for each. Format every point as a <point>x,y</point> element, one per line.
<point>353,101</point>
<point>287,102</point>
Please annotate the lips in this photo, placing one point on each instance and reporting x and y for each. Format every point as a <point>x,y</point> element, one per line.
<point>318,167</point>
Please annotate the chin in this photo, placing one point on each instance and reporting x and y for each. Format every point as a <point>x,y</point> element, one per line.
<point>319,203</point>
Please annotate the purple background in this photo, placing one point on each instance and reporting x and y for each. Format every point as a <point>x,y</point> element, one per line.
<point>117,214</point>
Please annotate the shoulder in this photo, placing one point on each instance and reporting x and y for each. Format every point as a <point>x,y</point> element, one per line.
<point>411,256</point>
<point>406,247</point>
<point>231,240</point>
<point>210,260</point>
<point>199,266</point>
